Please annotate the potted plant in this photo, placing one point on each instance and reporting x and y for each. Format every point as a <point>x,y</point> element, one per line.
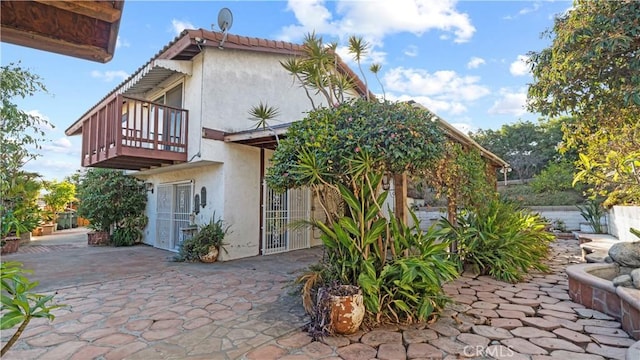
<point>109,198</point>
<point>10,231</point>
<point>60,194</point>
<point>206,244</point>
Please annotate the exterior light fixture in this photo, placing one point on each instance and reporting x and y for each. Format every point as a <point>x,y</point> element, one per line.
<point>385,182</point>
<point>148,186</point>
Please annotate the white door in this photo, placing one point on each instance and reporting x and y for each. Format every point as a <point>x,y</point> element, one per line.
<point>173,209</point>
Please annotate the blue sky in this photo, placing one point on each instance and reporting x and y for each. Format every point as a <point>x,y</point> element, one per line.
<point>461,59</point>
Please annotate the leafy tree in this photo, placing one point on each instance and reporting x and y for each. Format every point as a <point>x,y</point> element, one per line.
<point>60,194</point>
<point>592,72</point>
<point>20,133</point>
<point>526,146</point>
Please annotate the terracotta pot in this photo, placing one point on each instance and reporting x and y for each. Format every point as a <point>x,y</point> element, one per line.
<point>98,238</point>
<point>347,312</point>
<point>12,244</point>
<point>211,256</point>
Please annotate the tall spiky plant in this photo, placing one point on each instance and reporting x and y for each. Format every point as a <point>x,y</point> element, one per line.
<point>262,114</point>
<point>359,48</point>
<point>375,69</point>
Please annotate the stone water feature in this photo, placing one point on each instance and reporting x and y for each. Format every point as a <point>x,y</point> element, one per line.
<point>612,287</point>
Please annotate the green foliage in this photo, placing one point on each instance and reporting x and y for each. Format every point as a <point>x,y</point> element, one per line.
<point>553,178</point>
<point>108,197</point>
<point>18,304</point>
<point>400,268</point>
<point>524,195</point>
<point>526,146</point>
<point>210,234</point>
<point>591,71</point>
<point>129,231</point>
<point>461,176</point>
<point>592,212</point>
<point>60,194</point>
<point>501,240</point>
<point>10,224</point>
<point>20,132</point>
<point>400,137</point>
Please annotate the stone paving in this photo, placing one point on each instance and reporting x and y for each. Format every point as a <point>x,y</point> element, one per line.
<point>149,308</point>
<point>534,319</point>
<point>173,311</point>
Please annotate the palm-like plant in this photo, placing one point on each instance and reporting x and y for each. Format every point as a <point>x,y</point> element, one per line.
<point>262,114</point>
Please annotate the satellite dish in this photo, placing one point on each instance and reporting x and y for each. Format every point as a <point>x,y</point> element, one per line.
<point>225,20</point>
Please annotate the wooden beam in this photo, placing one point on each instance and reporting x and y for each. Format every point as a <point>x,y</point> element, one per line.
<point>109,11</point>
<point>45,43</point>
<point>400,192</point>
<point>213,134</point>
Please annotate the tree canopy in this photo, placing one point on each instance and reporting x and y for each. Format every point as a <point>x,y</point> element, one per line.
<point>526,146</point>
<point>592,72</point>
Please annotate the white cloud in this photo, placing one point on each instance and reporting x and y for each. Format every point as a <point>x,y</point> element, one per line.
<point>520,66</point>
<point>437,106</point>
<point>510,103</point>
<point>54,167</point>
<point>443,84</point>
<point>120,42</point>
<point>60,146</point>
<point>178,25</point>
<point>109,76</point>
<point>531,9</point>
<point>526,10</point>
<point>377,18</point>
<point>475,62</point>
<point>411,51</point>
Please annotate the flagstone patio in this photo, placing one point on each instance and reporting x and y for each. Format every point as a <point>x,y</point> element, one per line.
<point>147,307</point>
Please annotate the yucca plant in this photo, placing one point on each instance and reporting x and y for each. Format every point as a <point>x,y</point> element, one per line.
<point>501,240</point>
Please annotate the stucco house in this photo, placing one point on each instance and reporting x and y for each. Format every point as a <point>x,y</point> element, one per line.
<point>181,123</point>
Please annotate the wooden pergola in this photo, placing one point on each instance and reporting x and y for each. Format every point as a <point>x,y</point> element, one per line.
<point>82,29</point>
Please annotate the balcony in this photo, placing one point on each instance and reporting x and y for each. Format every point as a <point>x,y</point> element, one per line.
<point>134,134</point>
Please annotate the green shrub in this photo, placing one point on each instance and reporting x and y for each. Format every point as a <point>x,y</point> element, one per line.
<point>555,177</point>
<point>211,234</point>
<point>129,231</point>
<point>524,195</point>
<point>501,240</point>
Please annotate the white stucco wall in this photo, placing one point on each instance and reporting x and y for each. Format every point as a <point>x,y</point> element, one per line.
<point>209,176</point>
<point>621,219</point>
<point>219,96</point>
<point>242,200</point>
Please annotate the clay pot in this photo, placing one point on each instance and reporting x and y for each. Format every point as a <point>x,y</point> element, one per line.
<point>98,238</point>
<point>11,245</point>
<point>347,311</point>
<point>211,256</point>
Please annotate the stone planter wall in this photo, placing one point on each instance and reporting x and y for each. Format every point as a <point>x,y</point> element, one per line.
<point>621,218</point>
<point>600,294</point>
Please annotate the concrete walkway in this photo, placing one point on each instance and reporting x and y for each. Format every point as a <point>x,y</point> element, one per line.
<point>134,303</point>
